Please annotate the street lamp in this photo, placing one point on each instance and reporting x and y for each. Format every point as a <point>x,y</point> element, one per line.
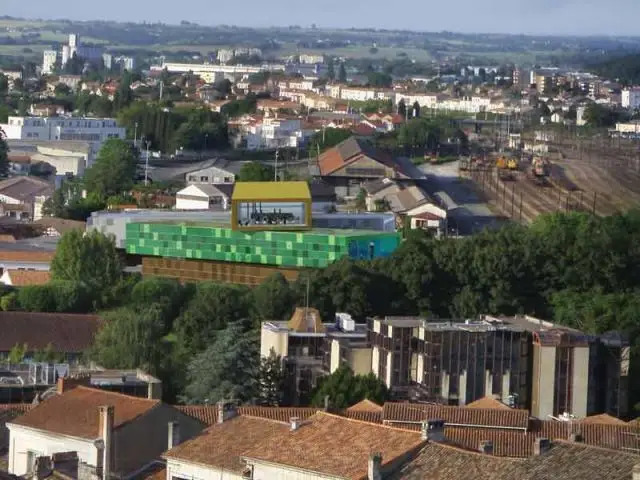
<point>135,135</point>
<point>146,165</point>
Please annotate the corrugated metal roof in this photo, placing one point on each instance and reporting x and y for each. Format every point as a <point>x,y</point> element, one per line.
<point>256,191</point>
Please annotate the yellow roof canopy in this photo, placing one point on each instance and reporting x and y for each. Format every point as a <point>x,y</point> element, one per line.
<point>265,191</point>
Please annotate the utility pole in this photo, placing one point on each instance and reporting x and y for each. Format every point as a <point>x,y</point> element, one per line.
<point>135,136</point>
<point>275,170</point>
<point>146,166</point>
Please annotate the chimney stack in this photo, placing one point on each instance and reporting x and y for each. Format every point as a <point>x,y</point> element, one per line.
<point>486,446</point>
<point>173,435</point>
<point>295,423</point>
<point>106,432</point>
<point>541,446</point>
<point>374,467</point>
<point>433,430</point>
<point>226,411</point>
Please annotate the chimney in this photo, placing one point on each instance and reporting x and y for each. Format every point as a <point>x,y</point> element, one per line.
<point>173,435</point>
<point>486,446</point>
<point>433,430</point>
<point>64,384</point>
<point>541,446</point>
<point>43,468</point>
<point>374,467</point>
<point>295,423</point>
<point>106,431</point>
<point>226,411</point>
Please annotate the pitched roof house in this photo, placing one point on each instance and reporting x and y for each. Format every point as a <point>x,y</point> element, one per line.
<point>68,334</point>
<point>110,433</point>
<point>324,446</point>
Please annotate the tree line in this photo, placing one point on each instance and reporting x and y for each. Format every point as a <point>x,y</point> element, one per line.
<point>577,269</point>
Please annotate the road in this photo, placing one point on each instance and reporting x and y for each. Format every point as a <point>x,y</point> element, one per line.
<point>467,212</point>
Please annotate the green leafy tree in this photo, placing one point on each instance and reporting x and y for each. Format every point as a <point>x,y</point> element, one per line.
<point>227,369</point>
<point>48,355</point>
<point>416,109</point>
<point>88,258</point>
<point>61,90</point>
<point>210,309</point>
<point>167,294</point>
<point>9,301</point>
<point>329,138</point>
<point>113,171</point>
<point>377,79</point>
<point>17,353</point>
<point>344,388</point>
<point>132,338</point>
<point>256,172</point>
<point>273,298</point>
<point>271,378</point>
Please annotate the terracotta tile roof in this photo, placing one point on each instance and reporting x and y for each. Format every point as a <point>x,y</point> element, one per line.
<point>617,437</point>
<point>603,418</point>
<point>365,405</point>
<point>349,151</point>
<point>208,414</point>
<point>456,416</point>
<point>67,333</point>
<point>155,471</point>
<point>563,461</point>
<point>311,447</point>
<point>364,416</point>
<point>21,278</point>
<point>223,444</point>
<point>37,256</point>
<point>317,446</point>
<point>484,402</point>
<point>76,412</point>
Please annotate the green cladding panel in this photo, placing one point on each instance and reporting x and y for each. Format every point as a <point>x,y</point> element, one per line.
<point>316,248</point>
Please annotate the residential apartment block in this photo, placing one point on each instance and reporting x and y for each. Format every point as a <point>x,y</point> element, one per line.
<point>92,130</point>
<point>522,361</point>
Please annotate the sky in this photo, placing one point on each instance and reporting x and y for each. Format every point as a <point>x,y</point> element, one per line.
<point>570,17</point>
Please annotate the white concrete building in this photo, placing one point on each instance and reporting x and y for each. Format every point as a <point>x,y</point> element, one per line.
<point>631,98</point>
<point>364,94</point>
<point>49,58</point>
<point>92,130</point>
<point>306,58</point>
<point>204,197</point>
<point>272,132</point>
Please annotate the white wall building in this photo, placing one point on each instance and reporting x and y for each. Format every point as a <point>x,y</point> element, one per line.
<point>273,132</point>
<point>631,98</point>
<point>49,58</point>
<point>204,197</point>
<point>309,58</point>
<point>92,130</point>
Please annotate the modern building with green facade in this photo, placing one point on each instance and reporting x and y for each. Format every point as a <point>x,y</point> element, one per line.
<point>276,233</point>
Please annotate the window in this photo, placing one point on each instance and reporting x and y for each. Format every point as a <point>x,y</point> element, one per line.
<point>204,179</point>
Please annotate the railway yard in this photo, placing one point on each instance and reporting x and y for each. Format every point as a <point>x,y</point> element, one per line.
<point>578,177</point>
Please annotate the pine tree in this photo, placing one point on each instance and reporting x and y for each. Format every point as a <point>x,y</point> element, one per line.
<point>331,70</point>
<point>342,75</point>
